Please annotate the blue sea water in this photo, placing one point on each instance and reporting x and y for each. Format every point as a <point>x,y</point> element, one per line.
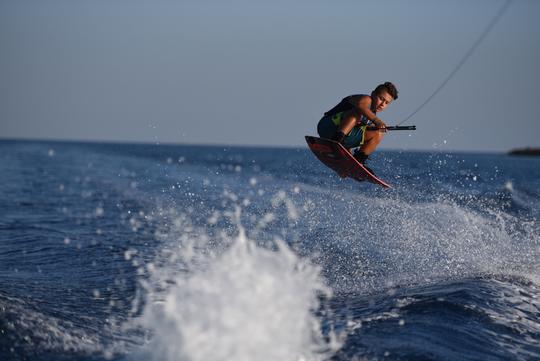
<point>162,252</point>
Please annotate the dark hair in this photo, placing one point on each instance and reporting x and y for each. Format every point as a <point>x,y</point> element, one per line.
<point>389,87</point>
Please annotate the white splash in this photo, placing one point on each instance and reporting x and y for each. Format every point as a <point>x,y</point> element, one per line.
<point>246,303</point>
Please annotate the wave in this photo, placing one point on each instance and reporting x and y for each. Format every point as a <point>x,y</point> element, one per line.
<point>27,331</point>
<point>492,317</point>
<point>255,257</point>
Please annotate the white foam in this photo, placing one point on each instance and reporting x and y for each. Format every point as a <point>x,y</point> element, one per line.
<point>391,239</point>
<point>245,302</point>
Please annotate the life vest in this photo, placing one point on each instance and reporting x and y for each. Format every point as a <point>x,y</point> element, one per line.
<point>336,112</point>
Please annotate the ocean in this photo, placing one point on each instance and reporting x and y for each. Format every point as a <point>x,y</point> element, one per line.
<point>176,252</point>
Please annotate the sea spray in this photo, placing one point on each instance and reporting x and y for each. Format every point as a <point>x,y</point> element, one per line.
<point>245,302</point>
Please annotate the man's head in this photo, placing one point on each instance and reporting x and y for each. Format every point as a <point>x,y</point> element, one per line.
<point>382,96</point>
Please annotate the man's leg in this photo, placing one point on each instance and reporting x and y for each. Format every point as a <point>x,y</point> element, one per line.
<point>348,121</point>
<point>372,138</point>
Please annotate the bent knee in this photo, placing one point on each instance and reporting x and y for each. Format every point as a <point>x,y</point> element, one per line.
<point>374,135</point>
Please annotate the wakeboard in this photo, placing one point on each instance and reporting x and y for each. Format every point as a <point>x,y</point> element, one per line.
<point>337,158</point>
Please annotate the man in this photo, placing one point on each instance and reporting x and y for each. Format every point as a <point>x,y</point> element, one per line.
<point>346,123</point>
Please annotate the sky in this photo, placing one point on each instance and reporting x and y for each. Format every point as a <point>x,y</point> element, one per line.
<point>262,73</point>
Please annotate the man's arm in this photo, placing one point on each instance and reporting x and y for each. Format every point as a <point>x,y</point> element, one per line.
<point>362,103</point>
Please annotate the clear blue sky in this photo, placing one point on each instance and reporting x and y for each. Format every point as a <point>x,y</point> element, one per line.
<point>262,72</point>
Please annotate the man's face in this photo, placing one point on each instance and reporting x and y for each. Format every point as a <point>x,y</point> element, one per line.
<point>381,100</point>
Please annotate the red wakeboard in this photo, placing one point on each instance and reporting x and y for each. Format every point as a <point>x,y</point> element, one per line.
<point>336,157</point>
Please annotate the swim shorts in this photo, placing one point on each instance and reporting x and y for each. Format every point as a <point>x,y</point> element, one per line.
<point>329,124</point>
